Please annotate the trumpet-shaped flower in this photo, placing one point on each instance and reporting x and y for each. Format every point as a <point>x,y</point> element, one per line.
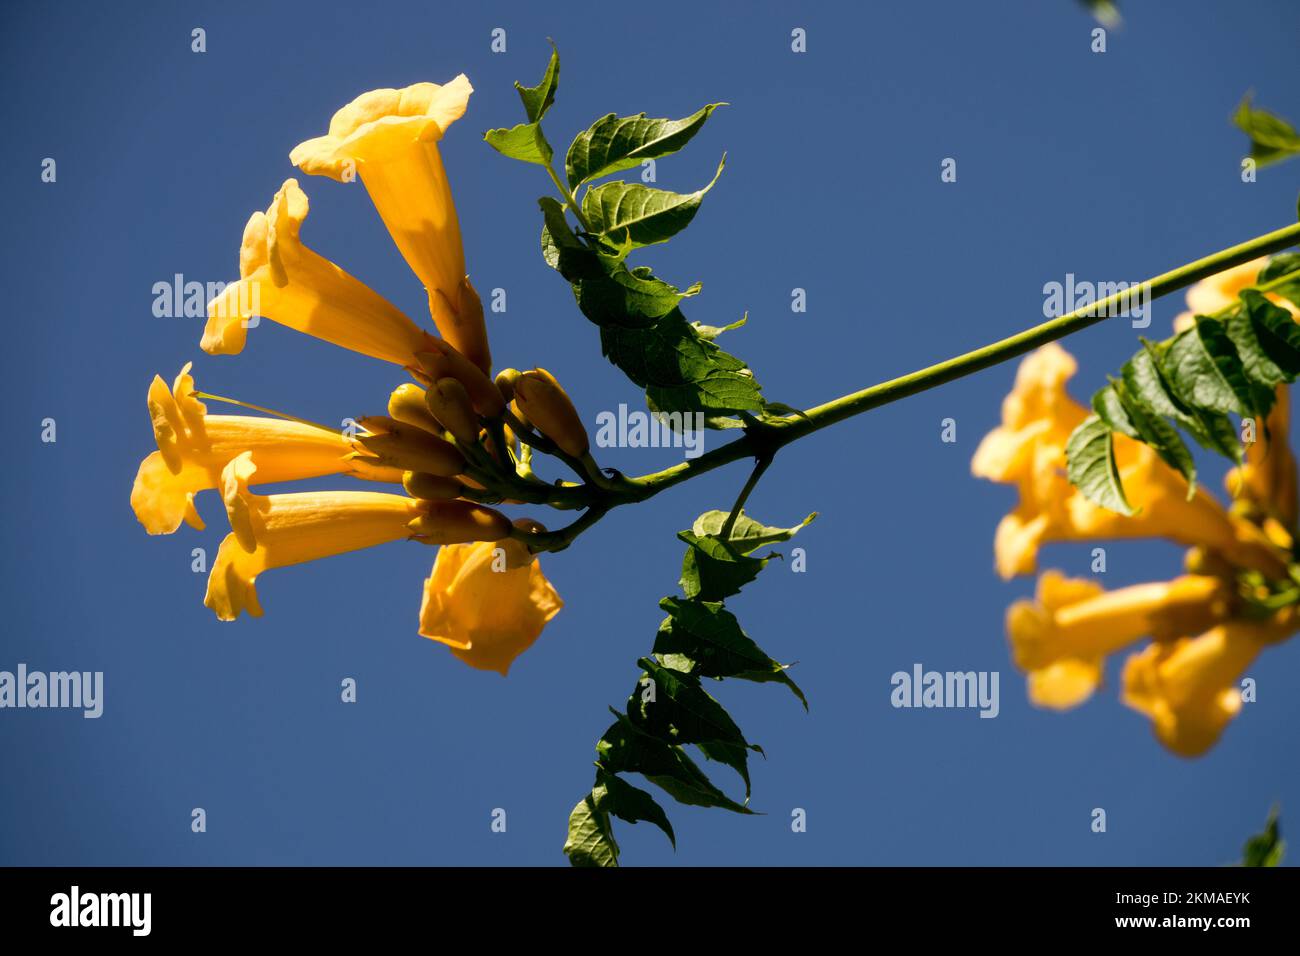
<point>194,447</point>
<point>284,281</point>
<point>1062,639</point>
<point>1267,478</point>
<point>1028,449</point>
<point>275,531</point>
<point>1188,687</point>
<point>487,602</point>
<point>390,139</point>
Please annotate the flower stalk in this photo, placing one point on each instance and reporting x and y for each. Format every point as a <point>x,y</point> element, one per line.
<point>774,434</point>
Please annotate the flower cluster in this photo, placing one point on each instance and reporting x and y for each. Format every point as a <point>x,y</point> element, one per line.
<point>454,440</point>
<point>1206,626</point>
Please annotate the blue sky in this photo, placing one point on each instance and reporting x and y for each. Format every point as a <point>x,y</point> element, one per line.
<point>1112,166</point>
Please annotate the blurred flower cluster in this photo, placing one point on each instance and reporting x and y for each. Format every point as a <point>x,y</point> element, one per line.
<point>1207,626</point>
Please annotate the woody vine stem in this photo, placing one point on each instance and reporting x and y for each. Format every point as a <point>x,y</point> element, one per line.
<point>763,439</point>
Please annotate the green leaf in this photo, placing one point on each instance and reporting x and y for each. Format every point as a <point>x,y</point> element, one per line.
<point>1271,138</point>
<point>1106,403</point>
<point>1267,848</point>
<point>680,711</point>
<point>625,749</point>
<point>640,214</point>
<point>746,534</point>
<point>1144,380</point>
<point>607,292</point>
<point>524,142</point>
<point>1090,454</point>
<point>681,370</point>
<point>1204,370</point>
<point>561,249</point>
<point>1158,434</point>
<point>705,639</point>
<point>628,298</point>
<point>614,143</point>
<point>1285,264</point>
<point>711,332</point>
<point>731,755</point>
<point>713,570</point>
<point>538,99</point>
<point>1124,412</point>
<point>630,804</point>
<point>1267,339</point>
<point>591,839</point>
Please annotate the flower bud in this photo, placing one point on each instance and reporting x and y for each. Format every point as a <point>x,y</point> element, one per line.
<point>444,361</point>
<point>532,526</point>
<point>461,323</point>
<point>516,552</point>
<point>408,448</point>
<point>421,484</point>
<point>539,396</point>
<point>448,402</point>
<point>506,379</point>
<point>407,406</point>
<point>457,522</point>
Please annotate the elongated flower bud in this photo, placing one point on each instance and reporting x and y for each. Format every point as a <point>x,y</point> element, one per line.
<point>449,402</point>
<point>539,396</point>
<point>457,522</point>
<point>410,449</point>
<point>443,361</point>
<point>461,322</point>
<point>407,405</point>
<point>421,484</point>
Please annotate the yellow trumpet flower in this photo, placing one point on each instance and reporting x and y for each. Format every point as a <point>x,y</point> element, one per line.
<point>1189,687</point>
<point>284,281</point>
<point>1061,639</point>
<point>389,138</point>
<point>1028,449</point>
<point>1267,478</point>
<point>194,447</point>
<point>275,531</point>
<point>488,602</point>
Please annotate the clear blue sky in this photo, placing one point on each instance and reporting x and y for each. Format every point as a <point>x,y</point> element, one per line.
<point>1111,166</point>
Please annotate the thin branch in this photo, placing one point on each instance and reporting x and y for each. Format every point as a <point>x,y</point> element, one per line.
<point>760,466</point>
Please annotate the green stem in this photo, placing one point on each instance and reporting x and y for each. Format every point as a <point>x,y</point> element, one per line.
<point>569,198</point>
<point>780,432</point>
<point>760,466</point>
<point>560,539</point>
<point>762,439</point>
